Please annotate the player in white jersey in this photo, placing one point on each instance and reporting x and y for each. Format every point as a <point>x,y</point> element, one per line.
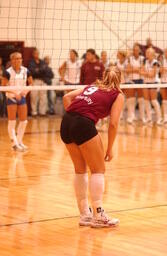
<point>163,72</point>
<point>70,69</point>
<point>122,63</point>
<point>150,71</point>
<point>106,63</point>
<point>133,70</point>
<point>17,75</point>
<point>104,59</point>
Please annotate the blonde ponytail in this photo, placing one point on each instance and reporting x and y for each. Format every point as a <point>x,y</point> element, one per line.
<point>111,79</point>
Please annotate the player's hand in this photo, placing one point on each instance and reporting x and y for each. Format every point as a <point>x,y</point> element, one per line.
<point>62,80</point>
<point>142,71</point>
<point>108,156</point>
<point>18,97</point>
<point>23,93</point>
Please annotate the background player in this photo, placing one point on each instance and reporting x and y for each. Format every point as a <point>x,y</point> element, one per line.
<point>150,72</point>
<point>136,61</point>
<point>163,72</point>
<point>17,75</point>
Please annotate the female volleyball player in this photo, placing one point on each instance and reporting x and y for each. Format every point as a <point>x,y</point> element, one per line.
<point>150,72</point>
<point>163,72</point>
<point>133,68</point>
<point>17,75</point>
<point>122,64</point>
<point>70,70</point>
<point>84,107</point>
<point>104,59</point>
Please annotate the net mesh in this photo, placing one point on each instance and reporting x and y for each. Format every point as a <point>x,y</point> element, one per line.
<point>55,26</point>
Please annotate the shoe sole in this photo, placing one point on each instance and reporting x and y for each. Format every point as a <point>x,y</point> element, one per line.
<point>105,226</point>
<point>85,224</point>
<point>17,150</point>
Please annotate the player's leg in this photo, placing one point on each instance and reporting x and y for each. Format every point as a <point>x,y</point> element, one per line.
<point>42,101</point>
<point>22,115</point>
<point>93,153</point>
<point>141,105</point>
<point>156,105</point>
<point>80,184</point>
<point>131,102</point>
<point>12,111</point>
<point>164,104</point>
<point>34,95</point>
<point>67,131</point>
<point>146,95</point>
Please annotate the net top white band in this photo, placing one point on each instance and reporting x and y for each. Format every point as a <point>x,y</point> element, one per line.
<point>74,87</point>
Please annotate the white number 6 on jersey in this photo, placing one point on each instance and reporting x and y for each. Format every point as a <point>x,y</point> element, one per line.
<point>90,90</point>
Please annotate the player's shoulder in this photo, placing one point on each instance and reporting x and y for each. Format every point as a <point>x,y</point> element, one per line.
<point>24,68</point>
<point>141,57</point>
<point>79,63</point>
<point>6,73</point>
<point>9,70</point>
<point>155,62</point>
<point>85,64</point>
<point>131,57</point>
<point>67,62</point>
<point>126,62</point>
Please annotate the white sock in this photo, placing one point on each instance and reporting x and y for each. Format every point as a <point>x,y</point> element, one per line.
<point>12,132</point>
<point>128,107</point>
<point>164,104</point>
<point>131,107</point>
<point>157,108</point>
<point>21,130</point>
<point>141,108</point>
<point>96,186</point>
<point>124,107</point>
<point>81,192</point>
<point>148,109</point>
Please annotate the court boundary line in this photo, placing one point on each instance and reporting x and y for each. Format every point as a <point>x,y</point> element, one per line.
<point>103,132</point>
<point>76,216</point>
<point>50,175</point>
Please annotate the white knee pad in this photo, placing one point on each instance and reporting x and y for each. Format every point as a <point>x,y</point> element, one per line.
<point>164,104</point>
<point>21,130</point>
<point>11,131</point>
<point>148,110</point>
<point>131,107</point>
<point>81,191</point>
<point>96,187</point>
<point>157,108</point>
<point>141,108</point>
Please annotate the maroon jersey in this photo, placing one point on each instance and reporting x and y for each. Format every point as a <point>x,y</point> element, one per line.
<point>90,72</point>
<point>94,103</point>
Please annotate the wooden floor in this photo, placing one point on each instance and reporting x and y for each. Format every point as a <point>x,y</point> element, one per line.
<point>38,213</point>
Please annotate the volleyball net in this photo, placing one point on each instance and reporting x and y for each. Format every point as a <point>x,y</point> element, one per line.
<point>55,26</point>
<point>75,87</point>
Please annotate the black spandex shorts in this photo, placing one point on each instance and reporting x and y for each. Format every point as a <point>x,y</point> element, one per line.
<point>77,129</point>
<point>13,101</point>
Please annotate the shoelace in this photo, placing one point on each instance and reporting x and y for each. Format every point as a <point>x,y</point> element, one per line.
<point>105,216</point>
